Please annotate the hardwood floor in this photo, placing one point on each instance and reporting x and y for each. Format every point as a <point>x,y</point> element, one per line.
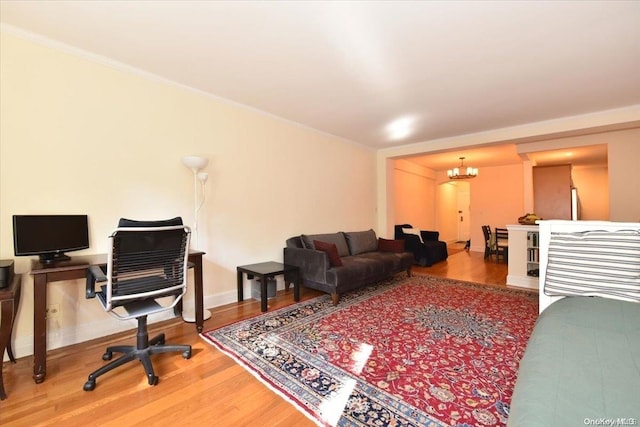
<point>208,389</point>
<point>469,266</point>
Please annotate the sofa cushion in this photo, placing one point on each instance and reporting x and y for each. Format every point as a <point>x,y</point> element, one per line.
<point>294,242</point>
<point>386,245</point>
<point>385,263</point>
<point>337,239</point>
<point>357,270</point>
<point>331,250</point>
<point>361,241</point>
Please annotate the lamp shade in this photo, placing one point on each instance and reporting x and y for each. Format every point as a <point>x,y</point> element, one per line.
<point>202,177</point>
<point>195,162</point>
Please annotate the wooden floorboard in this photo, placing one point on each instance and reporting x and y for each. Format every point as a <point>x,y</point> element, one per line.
<point>208,389</point>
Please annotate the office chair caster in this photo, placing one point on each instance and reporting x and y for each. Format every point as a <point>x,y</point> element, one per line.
<point>89,385</point>
<point>153,379</point>
<point>107,356</point>
<point>187,354</point>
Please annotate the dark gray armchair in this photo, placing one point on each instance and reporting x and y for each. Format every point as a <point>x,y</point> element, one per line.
<point>426,248</point>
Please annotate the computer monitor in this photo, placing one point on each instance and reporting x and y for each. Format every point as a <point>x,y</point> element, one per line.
<point>49,236</point>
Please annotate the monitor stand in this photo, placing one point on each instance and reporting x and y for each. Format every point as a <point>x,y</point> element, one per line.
<point>51,258</point>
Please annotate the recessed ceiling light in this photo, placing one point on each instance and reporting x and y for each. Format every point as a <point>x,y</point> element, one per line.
<point>400,128</point>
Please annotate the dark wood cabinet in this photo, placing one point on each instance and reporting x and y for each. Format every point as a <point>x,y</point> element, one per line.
<point>552,191</point>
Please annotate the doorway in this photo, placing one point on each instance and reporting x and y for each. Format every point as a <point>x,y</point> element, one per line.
<point>463,211</point>
<point>453,211</point>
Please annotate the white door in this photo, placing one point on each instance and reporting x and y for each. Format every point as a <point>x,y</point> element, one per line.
<point>464,202</point>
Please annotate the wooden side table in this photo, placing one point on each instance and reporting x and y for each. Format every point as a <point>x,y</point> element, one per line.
<point>9,302</point>
<point>264,271</point>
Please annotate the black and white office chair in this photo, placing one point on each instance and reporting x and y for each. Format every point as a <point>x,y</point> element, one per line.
<point>146,273</point>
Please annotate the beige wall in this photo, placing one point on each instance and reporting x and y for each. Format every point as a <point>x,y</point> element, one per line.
<point>497,199</point>
<point>414,189</point>
<point>592,183</point>
<point>624,179</point>
<point>80,136</point>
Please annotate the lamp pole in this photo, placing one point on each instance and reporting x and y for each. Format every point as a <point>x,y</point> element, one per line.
<point>195,163</point>
<point>202,178</point>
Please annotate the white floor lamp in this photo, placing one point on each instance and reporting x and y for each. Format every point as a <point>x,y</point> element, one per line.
<point>195,163</point>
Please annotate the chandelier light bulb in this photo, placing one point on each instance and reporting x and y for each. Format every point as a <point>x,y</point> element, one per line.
<point>469,171</point>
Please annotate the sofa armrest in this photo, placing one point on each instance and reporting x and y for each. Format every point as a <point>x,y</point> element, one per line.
<point>313,264</point>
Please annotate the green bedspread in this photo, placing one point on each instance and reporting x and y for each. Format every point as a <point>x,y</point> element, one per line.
<point>581,366</point>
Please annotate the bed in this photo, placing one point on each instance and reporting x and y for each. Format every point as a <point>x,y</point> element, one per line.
<point>582,362</point>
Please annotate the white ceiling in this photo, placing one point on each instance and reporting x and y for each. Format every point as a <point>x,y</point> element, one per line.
<point>351,68</point>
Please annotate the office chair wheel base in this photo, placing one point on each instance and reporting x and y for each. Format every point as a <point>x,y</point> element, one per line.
<point>153,380</point>
<point>89,385</point>
<point>187,354</point>
<point>107,356</point>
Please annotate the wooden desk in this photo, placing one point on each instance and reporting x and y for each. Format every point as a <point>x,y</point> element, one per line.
<point>9,301</point>
<point>76,268</point>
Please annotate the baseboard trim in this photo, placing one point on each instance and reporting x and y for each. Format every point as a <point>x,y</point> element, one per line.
<point>63,337</point>
<point>522,281</point>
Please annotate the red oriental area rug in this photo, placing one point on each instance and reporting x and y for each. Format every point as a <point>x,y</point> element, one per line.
<point>422,351</point>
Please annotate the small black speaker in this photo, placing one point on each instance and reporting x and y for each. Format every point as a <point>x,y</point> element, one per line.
<point>6,272</point>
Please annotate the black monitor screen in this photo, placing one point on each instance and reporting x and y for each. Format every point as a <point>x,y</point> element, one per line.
<point>49,236</point>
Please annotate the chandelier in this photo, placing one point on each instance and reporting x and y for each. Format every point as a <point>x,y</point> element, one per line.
<point>459,173</point>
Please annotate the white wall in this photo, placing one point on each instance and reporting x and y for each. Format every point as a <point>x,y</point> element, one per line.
<point>81,136</point>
